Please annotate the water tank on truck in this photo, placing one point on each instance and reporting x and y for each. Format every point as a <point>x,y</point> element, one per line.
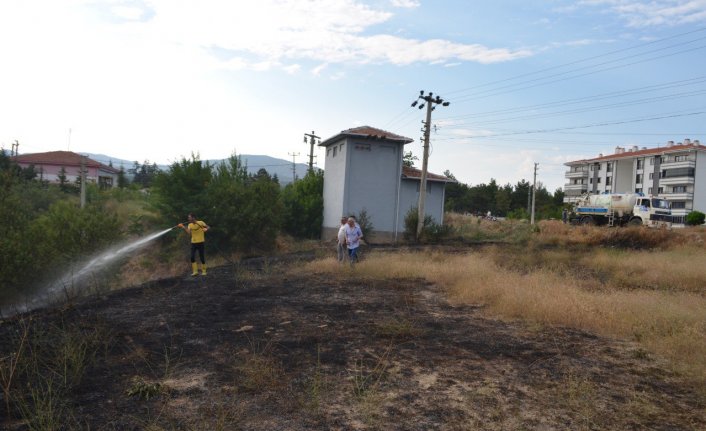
<point>622,208</point>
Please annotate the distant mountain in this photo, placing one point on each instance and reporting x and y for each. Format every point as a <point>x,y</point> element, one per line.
<point>280,167</point>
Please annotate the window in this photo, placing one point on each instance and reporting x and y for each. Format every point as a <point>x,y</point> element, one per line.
<point>652,161</point>
<point>649,191</point>
<point>640,163</point>
<point>638,190</point>
<point>652,175</point>
<point>609,181</point>
<point>609,167</point>
<point>660,190</point>
<point>334,151</point>
<point>678,205</point>
<point>683,158</point>
<point>638,179</point>
<point>679,189</point>
<point>328,152</point>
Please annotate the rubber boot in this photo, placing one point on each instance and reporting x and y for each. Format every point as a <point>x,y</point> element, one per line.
<point>194,268</point>
<point>203,269</point>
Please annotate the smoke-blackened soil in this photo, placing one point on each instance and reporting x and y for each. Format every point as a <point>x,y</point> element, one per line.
<point>257,349</point>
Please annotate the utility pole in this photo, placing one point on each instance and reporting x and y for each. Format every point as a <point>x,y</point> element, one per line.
<point>429,101</point>
<point>83,181</point>
<point>15,148</point>
<point>294,166</point>
<point>312,141</point>
<point>534,192</point>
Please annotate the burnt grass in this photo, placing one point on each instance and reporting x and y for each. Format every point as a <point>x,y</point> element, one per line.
<point>250,347</point>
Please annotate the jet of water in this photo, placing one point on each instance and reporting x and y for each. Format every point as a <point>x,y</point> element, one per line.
<point>74,278</point>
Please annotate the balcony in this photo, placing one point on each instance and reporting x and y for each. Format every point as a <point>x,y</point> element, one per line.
<point>680,164</point>
<point>676,181</point>
<point>685,196</point>
<point>576,174</point>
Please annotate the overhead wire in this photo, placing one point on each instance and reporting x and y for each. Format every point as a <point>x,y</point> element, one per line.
<point>447,93</point>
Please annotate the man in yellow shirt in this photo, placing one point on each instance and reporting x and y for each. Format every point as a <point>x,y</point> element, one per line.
<point>197,229</point>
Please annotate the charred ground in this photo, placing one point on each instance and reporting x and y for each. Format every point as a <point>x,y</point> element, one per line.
<point>253,348</point>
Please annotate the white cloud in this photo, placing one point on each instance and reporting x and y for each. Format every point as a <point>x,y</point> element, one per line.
<point>292,69</point>
<point>278,32</point>
<point>406,3</point>
<point>653,13</point>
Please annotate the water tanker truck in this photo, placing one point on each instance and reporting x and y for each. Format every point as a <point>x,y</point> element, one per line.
<point>619,209</point>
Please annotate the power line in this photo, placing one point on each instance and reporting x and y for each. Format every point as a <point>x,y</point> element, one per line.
<point>578,100</point>
<point>637,120</point>
<point>654,42</point>
<point>587,109</point>
<point>495,92</point>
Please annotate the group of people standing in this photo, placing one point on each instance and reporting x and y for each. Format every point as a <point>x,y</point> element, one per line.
<point>349,236</point>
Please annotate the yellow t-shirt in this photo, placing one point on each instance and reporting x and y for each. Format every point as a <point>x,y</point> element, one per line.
<point>197,232</point>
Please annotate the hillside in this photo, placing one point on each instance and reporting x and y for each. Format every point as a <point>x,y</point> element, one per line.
<point>257,347</point>
<point>274,166</point>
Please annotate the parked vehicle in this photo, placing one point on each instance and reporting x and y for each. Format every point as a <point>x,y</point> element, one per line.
<point>619,209</point>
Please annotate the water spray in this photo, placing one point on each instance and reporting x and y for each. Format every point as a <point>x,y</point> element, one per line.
<point>74,278</point>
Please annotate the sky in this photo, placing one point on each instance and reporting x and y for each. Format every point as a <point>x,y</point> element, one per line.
<point>528,82</point>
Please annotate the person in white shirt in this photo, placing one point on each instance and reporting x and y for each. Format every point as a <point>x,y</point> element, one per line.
<point>353,236</point>
<point>341,245</point>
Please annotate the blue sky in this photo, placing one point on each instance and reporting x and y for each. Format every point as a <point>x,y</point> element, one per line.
<point>528,81</point>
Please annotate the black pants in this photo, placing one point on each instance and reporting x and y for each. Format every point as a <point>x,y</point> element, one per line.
<point>197,246</point>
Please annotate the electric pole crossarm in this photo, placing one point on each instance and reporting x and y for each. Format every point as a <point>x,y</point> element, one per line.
<point>429,101</point>
<point>311,141</point>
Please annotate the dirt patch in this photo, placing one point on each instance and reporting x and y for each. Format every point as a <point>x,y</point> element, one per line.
<point>274,351</point>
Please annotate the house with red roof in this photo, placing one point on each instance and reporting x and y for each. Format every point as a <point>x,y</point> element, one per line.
<point>49,167</point>
<point>364,171</point>
<point>675,172</point>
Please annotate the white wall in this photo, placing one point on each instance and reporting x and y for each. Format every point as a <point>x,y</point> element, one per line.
<point>433,205</point>
<point>334,184</point>
<point>700,182</point>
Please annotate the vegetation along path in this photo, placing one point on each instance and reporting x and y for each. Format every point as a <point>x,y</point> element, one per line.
<point>266,349</point>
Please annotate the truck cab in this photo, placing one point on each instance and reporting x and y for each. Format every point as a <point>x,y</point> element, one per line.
<point>653,212</point>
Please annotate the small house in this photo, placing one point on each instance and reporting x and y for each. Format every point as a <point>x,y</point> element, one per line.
<point>50,165</point>
<point>364,172</point>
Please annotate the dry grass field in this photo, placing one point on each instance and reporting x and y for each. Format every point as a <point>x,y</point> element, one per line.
<point>507,327</point>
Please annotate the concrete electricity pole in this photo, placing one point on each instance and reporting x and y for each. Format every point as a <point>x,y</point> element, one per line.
<point>312,141</point>
<point>83,181</point>
<point>429,101</point>
<point>534,192</point>
<point>294,166</point>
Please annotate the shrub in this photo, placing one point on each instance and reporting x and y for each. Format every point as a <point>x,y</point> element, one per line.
<point>431,231</point>
<point>366,225</point>
<point>695,218</point>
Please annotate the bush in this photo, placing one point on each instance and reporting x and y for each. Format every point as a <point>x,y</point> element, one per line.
<point>366,225</point>
<point>695,218</point>
<point>431,231</point>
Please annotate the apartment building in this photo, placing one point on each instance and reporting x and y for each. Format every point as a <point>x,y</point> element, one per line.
<point>676,172</point>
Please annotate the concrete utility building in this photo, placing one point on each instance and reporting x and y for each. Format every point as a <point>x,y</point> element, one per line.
<point>676,172</point>
<point>364,171</point>
<point>49,165</point>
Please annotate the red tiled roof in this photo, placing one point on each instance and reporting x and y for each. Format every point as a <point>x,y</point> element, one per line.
<point>646,152</point>
<point>367,132</point>
<point>60,158</point>
<point>416,174</point>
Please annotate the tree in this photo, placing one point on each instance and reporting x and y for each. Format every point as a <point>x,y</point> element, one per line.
<point>695,218</point>
<point>182,189</point>
<point>122,180</point>
<point>304,206</point>
<point>408,159</point>
<point>146,174</point>
<point>245,211</point>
